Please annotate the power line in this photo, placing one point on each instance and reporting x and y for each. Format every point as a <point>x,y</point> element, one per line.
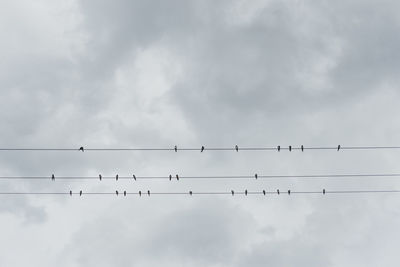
<point>179,177</point>
<point>203,148</point>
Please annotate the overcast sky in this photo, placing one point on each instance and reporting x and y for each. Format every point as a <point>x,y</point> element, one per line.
<point>155,73</point>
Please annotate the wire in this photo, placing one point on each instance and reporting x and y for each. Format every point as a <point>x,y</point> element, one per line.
<point>176,149</point>
<point>233,193</point>
<point>179,177</point>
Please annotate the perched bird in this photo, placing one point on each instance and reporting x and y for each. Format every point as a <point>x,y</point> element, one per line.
<point>148,192</point>
<point>237,148</point>
<point>302,148</point>
<point>277,191</point>
<point>177,177</point>
<point>170,177</point>
<point>100,177</point>
<point>338,147</point>
<point>264,192</point>
<point>278,148</point>
<point>232,192</point>
<point>140,193</point>
<point>134,177</point>
<point>80,193</point>
<point>116,192</point>
<point>81,149</point>
<point>256,176</point>
<point>70,192</point>
<point>190,193</point>
<point>323,191</point>
<point>176,148</point>
<point>116,177</point>
<point>124,193</point>
<point>202,149</point>
<point>288,192</point>
<point>290,148</point>
<point>53,178</point>
<point>245,192</point>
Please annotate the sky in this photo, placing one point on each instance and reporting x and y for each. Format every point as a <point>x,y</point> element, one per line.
<point>140,74</point>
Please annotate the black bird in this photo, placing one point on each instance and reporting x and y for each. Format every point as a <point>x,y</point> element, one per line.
<point>202,149</point>
<point>338,147</point>
<point>279,148</point>
<point>148,192</point>
<point>80,193</point>
<point>233,192</point>
<point>256,176</point>
<point>277,191</point>
<point>116,192</point>
<point>302,148</point>
<point>100,177</point>
<point>264,192</point>
<point>81,149</point>
<point>176,148</point>
<point>134,177</point>
<point>170,177</point>
<point>190,193</point>
<point>140,193</point>
<point>116,177</point>
<point>288,192</point>
<point>124,193</point>
<point>323,191</point>
<point>245,192</point>
<point>237,148</point>
<point>53,178</point>
<point>70,192</point>
<point>177,177</point>
<point>290,148</point>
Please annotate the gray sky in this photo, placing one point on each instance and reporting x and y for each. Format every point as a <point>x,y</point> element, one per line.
<point>215,73</point>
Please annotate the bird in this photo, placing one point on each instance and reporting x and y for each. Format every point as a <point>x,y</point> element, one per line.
<point>80,193</point>
<point>170,177</point>
<point>202,149</point>
<point>124,193</point>
<point>245,192</point>
<point>116,192</point>
<point>277,191</point>
<point>134,177</point>
<point>53,178</point>
<point>140,193</point>
<point>70,192</point>
<point>302,148</point>
<point>232,192</point>
<point>177,177</point>
<point>148,192</point>
<point>256,176</point>
<point>116,177</point>
<point>264,192</point>
<point>176,148</point>
<point>190,193</point>
<point>323,191</point>
<point>338,147</point>
<point>279,148</point>
<point>288,192</point>
<point>237,148</point>
<point>290,148</point>
<point>81,149</point>
<point>100,177</point>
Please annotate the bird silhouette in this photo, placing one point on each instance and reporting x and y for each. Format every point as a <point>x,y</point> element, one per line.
<point>148,192</point>
<point>245,192</point>
<point>134,177</point>
<point>302,148</point>
<point>264,192</point>
<point>237,148</point>
<point>176,148</point>
<point>170,177</point>
<point>80,193</point>
<point>100,177</point>
<point>70,192</point>
<point>124,193</point>
<point>256,176</point>
<point>190,193</point>
<point>116,177</point>
<point>81,149</point>
<point>277,191</point>
<point>140,193</point>
<point>177,177</point>
<point>290,148</point>
<point>53,178</point>
<point>288,192</point>
<point>279,148</point>
<point>116,192</point>
<point>338,147</point>
<point>232,192</point>
<point>202,149</point>
<point>323,191</point>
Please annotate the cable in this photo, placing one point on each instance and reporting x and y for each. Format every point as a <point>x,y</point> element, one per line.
<point>178,177</point>
<point>203,148</point>
<point>233,193</point>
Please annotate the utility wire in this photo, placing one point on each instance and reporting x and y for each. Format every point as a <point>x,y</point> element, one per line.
<point>177,177</point>
<point>203,148</point>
